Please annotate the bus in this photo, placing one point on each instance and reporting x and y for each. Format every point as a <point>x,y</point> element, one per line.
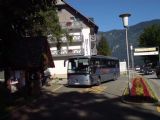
<point>92,70</point>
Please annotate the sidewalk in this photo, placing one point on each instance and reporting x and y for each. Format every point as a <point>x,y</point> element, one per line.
<point>62,81</point>
<point>155,86</point>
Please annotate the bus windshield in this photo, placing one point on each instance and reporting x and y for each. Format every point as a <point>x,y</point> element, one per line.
<point>80,65</point>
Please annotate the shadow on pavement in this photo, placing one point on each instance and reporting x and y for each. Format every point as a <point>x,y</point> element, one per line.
<point>10,102</point>
<point>80,106</point>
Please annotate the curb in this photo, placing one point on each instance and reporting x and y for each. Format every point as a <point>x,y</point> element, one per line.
<point>154,94</point>
<point>134,103</point>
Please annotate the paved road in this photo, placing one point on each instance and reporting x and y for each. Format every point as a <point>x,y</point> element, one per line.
<point>154,83</point>
<point>103,102</point>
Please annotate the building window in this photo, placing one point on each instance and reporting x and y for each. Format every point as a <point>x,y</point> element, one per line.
<point>72,18</point>
<point>75,18</point>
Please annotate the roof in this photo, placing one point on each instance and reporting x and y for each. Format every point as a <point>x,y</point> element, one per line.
<point>28,52</point>
<point>95,56</point>
<point>86,19</point>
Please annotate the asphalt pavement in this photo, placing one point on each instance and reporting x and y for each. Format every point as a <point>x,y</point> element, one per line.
<point>154,83</point>
<point>85,105</point>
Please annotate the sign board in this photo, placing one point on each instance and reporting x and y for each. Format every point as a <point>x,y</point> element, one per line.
<point>146,51</point>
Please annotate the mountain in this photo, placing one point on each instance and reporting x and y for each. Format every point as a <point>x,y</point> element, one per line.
<point>117,39</point>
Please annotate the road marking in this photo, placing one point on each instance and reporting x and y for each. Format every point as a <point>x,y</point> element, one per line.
<point>95,89</point>
<point>57,88</point>
<point>158,108</point>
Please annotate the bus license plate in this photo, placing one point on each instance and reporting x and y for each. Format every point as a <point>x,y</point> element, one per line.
<point>76,82</point>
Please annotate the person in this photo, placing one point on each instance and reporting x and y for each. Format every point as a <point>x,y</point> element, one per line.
<point>12,82</point>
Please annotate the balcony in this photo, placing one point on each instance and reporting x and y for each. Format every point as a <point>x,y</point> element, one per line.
<point>71,25</point>
<point>60,53</point>
<point>72,52</point>
<point>94,51</point>
<point>93,37</point>
<point>76,38</point>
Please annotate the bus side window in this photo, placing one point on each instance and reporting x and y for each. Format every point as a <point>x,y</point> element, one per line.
<point>69,65</point>
<point>73,65</point>
<point>97,64</point>
<point>80,65</point>
<point>93,66</point>
<point>103,63</point>
<point>108,64</point>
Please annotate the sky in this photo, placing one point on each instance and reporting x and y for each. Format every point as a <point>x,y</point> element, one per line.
<point>106,12</point>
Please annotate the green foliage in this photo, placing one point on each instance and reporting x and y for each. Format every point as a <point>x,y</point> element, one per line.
<point>50,23</point>
<point>150,38</point>
<point>28,17</point>
<point>103,47</point>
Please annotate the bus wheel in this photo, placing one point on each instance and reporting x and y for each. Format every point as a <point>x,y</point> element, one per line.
<point>115,77</point>
<point>158,76</point>
<point>98,82</point>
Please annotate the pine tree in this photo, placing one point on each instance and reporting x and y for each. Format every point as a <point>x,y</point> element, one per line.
<point>103,47</point>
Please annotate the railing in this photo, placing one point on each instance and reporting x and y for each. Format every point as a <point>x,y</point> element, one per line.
<point>71,52</point>
<point>76,38</point>
<point>71,25</point>
<point>67,52</point>
<point>93,51</point>
<point>93,37</point>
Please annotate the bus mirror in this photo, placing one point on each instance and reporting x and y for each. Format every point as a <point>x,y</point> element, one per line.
<point>64,63</point>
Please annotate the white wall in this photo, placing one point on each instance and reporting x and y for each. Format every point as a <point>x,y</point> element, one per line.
<point>86,43</point>
<point>75,33</point>
<point>74,47</point>
<point>123,66</point>
<point>53,48</point>
<point>59,67</point>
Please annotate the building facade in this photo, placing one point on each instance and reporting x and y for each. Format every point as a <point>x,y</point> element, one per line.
<point>83,31</point>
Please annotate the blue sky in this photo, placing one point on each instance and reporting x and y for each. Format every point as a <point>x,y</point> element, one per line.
<point>106,12</point>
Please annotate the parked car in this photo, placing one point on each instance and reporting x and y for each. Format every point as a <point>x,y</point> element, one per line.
<point>147,70</point>
<point>142,69</point>
<point>137,68</point>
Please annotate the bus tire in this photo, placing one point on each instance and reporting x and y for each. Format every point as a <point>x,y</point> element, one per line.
<point>158,76</point>
<point>115,77</point>
<point>98,81</point>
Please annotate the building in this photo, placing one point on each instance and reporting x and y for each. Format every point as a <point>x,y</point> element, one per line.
<point>24,67</point>
<point>83,31</point>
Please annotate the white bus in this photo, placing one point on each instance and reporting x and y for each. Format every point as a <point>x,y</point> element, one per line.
<point>92,70</point>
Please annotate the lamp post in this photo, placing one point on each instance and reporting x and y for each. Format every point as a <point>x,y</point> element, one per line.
<point>125,24</point>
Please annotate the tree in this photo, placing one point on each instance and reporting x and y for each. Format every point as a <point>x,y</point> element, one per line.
<point>21,18</point>
<point>150,38</point>
<point>31,17</point>
<point>103,47</point>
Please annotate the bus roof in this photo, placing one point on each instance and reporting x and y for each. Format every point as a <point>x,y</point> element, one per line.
<point>95,56</point>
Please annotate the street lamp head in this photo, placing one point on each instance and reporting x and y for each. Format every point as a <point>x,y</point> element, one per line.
<point>125,19</point>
